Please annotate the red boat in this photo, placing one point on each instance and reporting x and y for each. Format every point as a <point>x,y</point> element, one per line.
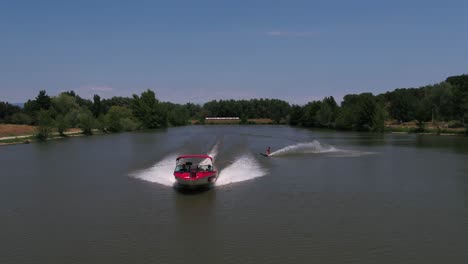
<point>195,171</point>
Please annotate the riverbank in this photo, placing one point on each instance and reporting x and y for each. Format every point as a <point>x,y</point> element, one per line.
<point>437,128</point>
<point>24,134</point>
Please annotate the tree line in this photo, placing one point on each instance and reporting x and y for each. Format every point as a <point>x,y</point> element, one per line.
<point>445,101</point>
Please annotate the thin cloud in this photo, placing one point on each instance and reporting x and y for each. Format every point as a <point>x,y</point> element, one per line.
<point>202,94</point>
<point>291,33</point>
<point>88,91</point>
<point>97,88</point>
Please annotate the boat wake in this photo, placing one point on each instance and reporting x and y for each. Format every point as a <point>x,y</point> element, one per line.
<point>315,147</point>
<point>214,150</point>
<point>161,172</point>
<point>244,168</point>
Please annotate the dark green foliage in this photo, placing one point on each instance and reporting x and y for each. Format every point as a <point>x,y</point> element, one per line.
<point>45,125</point>
<point>378,119</point>
<point>178,115</point>
<point>61,124</point>
<point>120,118</point>
<point>21,118</point>
<point>365,111</point>
<point>402,107</point>
<point>64,103</point>
<point>72,117</point>
<point>86,121</point>
<point>296,115</point>
<point>278,110</point>
<point>97,107</point>
<point>81,101</point>
<point>361,112</point>
<point>147,109</point>
<point>446,101</point>
<point>42,100</point>
<point>193,110</point>
<point>244,120</point>
<point>106,104</point>
<point>7,110</point>
<point>310,111</point>
<point>328,111</point>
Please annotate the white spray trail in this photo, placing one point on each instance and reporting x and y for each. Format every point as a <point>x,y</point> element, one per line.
<point>315,147</point>
<point>304,148</point>
<point>243,169</point>
<point>160,173</point>
<point>214,151</point>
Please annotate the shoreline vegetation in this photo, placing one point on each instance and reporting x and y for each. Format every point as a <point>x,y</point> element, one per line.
<point>410,128</point>
<point>440,109</point>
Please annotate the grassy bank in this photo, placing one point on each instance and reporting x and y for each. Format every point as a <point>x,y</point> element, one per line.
<point>21,134</point>
<point>439,128</point>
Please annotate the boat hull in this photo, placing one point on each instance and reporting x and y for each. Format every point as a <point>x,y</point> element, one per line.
<point>196,181</point>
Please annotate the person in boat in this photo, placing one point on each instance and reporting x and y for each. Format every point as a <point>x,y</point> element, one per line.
<point>268,150</point>
<point>183,168</point>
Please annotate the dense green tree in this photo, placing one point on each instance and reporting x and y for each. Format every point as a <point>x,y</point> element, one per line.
<point>72,117</point>
<point>193,110</point>
<point>97,107</point>
<point>278,110</point>
<point>460,95</point>
<point>148,110</point>
<point>80,101</point>
<point>366,109</point>
<point>86,121</point>
<point>378,119</point>
<point>106,104</point>
<point>42,100</point>
<point>61,124</point>
<point>177,115</point>
<point>402,105</point>
<point>120,118</point>
<point>440,98</point>
<point>64,103</point>
<point>296,115</point>
<point>45,125</point>
<point>328,111</point>
<point>21,118</point>
<point>361,112</point>
<point>310,113</point>
<point>7,110</point>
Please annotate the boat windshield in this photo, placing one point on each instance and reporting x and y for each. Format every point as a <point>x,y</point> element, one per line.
<point>194,164</point>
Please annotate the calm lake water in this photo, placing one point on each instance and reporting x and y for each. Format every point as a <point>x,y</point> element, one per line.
<point>323,197</point>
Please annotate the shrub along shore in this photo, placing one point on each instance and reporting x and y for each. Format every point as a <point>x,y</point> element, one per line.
<point>439,108</point>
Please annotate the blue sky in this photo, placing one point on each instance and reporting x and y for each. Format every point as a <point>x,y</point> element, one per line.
<point>202,50</point>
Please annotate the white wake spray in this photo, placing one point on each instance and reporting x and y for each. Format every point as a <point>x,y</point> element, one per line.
<point>244,168</point>
<point>304,148</point>
<point>161,172</point>
<point>214,150</point>
<point>315,147</point>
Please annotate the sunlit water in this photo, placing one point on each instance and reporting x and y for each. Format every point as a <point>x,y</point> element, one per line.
<point>321,197</point>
